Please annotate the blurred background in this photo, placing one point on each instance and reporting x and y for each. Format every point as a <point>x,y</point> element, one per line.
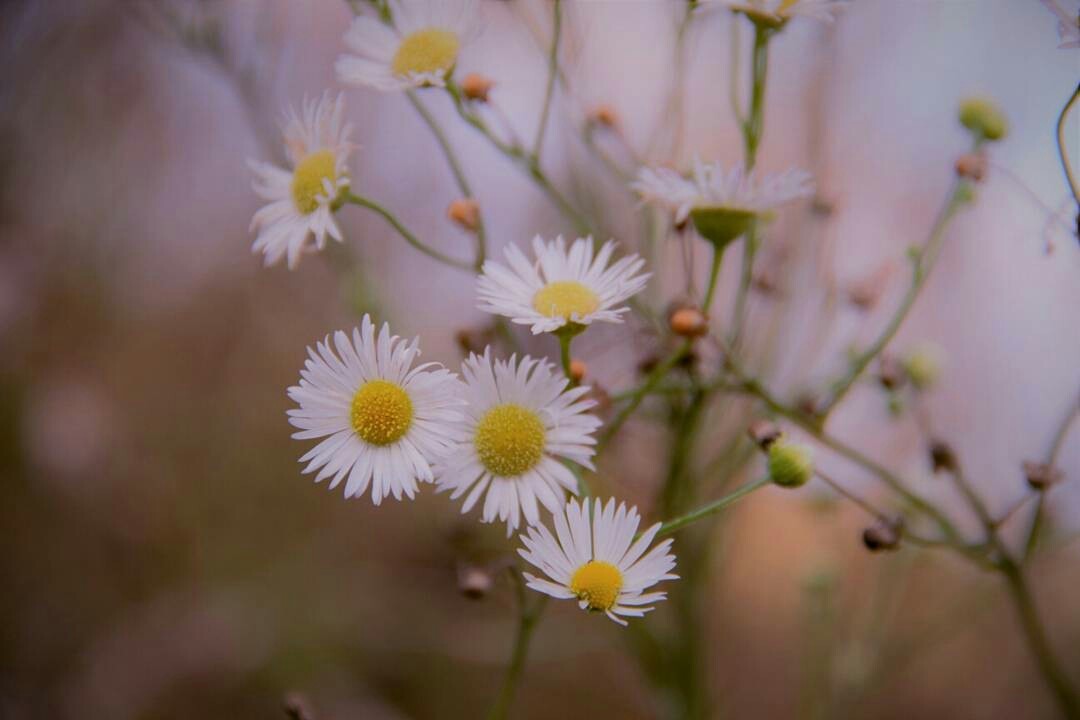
<point>164,558</point>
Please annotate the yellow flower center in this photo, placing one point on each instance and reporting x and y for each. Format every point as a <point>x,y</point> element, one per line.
<point>564,299</point>
<point>381,412</point>
<point>597,583</point>
<point>308,179</point>
<point>509,440</point>
<point>426,51</point>
<point>785,5</point>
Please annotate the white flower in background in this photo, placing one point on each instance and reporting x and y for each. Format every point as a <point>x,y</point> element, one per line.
<point>1068,24</point>
<point>421,49</point>
<point>561,287</point>
<point>385,422</point>
<point>721,204</point>
<point>519,423</point>
<point>301,201</point>
<point>598,562</point>
<point>779,11</point>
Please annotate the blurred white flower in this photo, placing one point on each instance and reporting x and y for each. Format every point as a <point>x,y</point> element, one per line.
<point>561,287</point>
<point>779,11</point>
<point>519,423</point>
<point>301,202</point>
<point>385,422</point>
<point>1068,25</point>
<point>421,48</point>
<point>598,562</point>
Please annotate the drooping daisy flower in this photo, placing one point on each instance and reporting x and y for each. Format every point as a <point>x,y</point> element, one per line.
<point>561,287</point>
<point>421,49</point>
<point>520,420</point>
<point>1068,25</point>
<point>777,12</point>
<point>301,201</point>
<point>722,204</point>
<point>385,422</point>
<point>596,561</point>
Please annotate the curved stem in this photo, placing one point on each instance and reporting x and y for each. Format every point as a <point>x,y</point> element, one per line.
<point>408,236</point>
<point>1051,459</point>
<point>527,619</point>
<point>636,396</point>
<point>711,508</point>
<point>714,274</point>
<point>1074,184</point>
<point>553,72</point>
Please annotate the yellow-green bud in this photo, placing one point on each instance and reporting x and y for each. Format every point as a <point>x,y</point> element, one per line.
<point>790,464</point>
<point>983,118</point>
<point>923,365</point>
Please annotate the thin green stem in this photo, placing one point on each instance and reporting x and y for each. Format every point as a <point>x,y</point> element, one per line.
<point>527,620</point>
<point>564,355</point>
<point>1051,460</point>
<point>455,169</point>
<point>635,397</point>
<point>922,263</point>
<point>406,234</point>
<point>714,274</point>
<point>711,508</point>
<point>1074,184</point>
<point>553,73</point>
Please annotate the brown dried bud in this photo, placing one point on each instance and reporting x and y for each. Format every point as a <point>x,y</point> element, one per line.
<point>764,433</point>
<point>473,340</point>
<point>605,116</point>
<point>475,581</point>
<point>578,368</point>
<point>648,363</point>
<point>821,206</point>
<point>1040,476</point>
<point>865,293</point>
<point>971,166</point>
<point>765,282</point>
<point>883,535</point>
<point>891,373</point>
<point>297,707</point>
<point>942,456</point>
<point>475,86</point>
<point>688,322</point>
<point>465,212</point>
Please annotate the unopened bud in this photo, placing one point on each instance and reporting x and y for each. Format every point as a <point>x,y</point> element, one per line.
<point>578,368</point>
<point>891,373</point>
<point>475,581</point>
<point>475,86</point>
<point>923,365</point>
<point>942,456</point>
<point>764,433</point>
<point>605,116</point>
<point>1040,476</point>
<point>688,322</point>
<point>983,118</point>
<point>465,212</point>
<point>971,166</point>
<point>883,535</point>
<point>297,707</point>
<point>791,465</point>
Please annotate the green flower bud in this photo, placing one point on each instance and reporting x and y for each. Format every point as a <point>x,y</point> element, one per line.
<point>923,366</point>
<point>721,225</point>
<point>790,464</point>
<point>983,118</point>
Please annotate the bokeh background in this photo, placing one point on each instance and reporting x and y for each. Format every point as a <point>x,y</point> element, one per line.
<point>164,558</point>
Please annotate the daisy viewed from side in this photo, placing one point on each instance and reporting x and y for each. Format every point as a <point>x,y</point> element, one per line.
<point>520,422</point>
<point>596,560</point>
<point>722,204</point>
<point>562,287</point>
<point>301,201</point>
<point>385,422</point>
<point>777,12</point>
<point>420,49</point>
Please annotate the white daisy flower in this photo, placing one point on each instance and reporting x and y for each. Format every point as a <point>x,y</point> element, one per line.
<point>1068,24</point>
<point>780,11</point>
<point>520,420</point>
<point>597,562</point>
<point>561,287</point>
<point>421,48</point>
<point>302,201</point>
<point>721,204</point>
<point>385,422</point>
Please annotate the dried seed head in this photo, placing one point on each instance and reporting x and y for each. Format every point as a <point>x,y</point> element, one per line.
<point>465,212</point>
<point>1041,476</point>
<point>475,86</point>
<point>971,166</point>
<point>688,322</point>
<point>764,433</point>
<point>891,373</point>
<point>883,535</point>
<point>942,456</point>
<point>475,581</point>
<point>578,368</point>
